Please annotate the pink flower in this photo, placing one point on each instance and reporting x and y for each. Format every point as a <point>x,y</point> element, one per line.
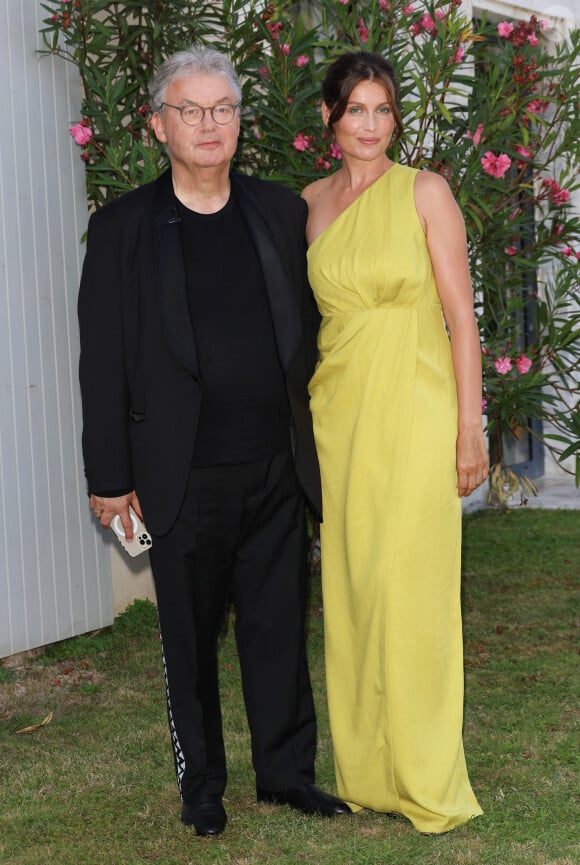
<point>561,196</point>
<point>458,56</point>
<point>514,213</point>
<point>301,60</point>
<point>428,24</point>
<point>503,365</point>
<point>523,364</point>
<point>301,141</point>
<point>567,250</point>
<point>524,153</point>
<point>344,2</point>
<point>408,9</point>
<point>274,29</point>
<point>505,29</point>
<point>536,106</point>
<point>335,150</point>
<point>543,24</point>
<point>440,14</point>
<point>511,250</point>
<point>384,4</point>
<point>477,136</point>
<point>495,166</point>
<point>483,405</point>
<point>425,23</point>
<point>322,163</point>
<point>362,30</point>
<point>557,194</point>
<point>285,48</point>
<point>533,39</point>
<point>81,134</point>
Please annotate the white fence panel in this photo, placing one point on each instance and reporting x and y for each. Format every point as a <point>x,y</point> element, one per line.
<point>55,578</point>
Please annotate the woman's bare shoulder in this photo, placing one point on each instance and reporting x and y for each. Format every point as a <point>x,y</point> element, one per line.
<point>433,196</point>
<point>430,183</point>
<point>436,206</point>
<point>314,191</point>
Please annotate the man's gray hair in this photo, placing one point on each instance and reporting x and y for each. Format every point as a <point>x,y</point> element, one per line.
<point>195,59</point>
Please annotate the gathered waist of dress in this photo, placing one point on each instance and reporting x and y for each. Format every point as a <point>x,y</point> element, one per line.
<point>391,307</point>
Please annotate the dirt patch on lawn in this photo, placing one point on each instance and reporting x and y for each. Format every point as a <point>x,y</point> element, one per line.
<point>37,688</point>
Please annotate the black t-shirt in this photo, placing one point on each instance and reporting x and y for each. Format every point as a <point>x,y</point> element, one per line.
<point>245,413</point>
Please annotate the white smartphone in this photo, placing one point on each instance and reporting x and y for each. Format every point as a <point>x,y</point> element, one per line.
<point>141,538</point>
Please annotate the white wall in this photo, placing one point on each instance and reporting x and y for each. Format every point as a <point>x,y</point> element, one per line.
<point>55,576</point>
<point>562,14</point>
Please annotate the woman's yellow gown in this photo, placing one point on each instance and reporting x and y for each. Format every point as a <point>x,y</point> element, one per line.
<point>384,403</point>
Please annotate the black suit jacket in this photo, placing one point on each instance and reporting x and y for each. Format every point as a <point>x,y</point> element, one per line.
<point>140,386</point>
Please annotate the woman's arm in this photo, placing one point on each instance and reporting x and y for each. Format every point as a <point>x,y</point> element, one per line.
<point>446,240</point>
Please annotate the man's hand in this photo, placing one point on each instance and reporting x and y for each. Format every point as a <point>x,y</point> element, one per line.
<point>105,509</point>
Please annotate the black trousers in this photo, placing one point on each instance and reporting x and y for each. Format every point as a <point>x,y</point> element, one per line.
<point>241,529</point>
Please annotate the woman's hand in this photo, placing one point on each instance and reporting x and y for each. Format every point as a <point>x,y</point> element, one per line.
<point>471,460</point>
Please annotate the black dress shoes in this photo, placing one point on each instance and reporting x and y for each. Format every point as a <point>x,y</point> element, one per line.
<point>207,815</point>
<point>306,798</point>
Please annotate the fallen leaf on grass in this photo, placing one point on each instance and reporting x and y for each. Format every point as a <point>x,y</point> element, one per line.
<point>34,727</point>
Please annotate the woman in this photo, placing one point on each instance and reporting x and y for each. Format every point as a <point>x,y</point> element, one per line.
<point>397,412</point>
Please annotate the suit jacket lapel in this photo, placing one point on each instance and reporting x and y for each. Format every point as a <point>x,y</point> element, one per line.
<point>287,325</point>
<point>170,277</point>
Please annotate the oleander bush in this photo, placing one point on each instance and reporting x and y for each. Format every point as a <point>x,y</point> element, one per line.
<point>493,107</point>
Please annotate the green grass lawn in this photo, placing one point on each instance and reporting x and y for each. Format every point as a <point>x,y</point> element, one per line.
<point>96,784</point>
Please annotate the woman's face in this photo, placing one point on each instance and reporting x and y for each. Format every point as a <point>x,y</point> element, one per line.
<point>365,129</point>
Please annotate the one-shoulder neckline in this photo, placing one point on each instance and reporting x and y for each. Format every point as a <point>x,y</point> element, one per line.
<point>353,202</point>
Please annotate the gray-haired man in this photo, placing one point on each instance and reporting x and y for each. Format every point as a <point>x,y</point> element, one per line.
<point>198,337</point>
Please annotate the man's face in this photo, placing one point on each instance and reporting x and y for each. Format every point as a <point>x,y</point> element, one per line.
<point>208,145</point>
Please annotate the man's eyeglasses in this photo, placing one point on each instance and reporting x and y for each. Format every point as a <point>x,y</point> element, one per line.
<point>192,115</point>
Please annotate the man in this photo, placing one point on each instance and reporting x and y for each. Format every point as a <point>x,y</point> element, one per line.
<point>197,342</point>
